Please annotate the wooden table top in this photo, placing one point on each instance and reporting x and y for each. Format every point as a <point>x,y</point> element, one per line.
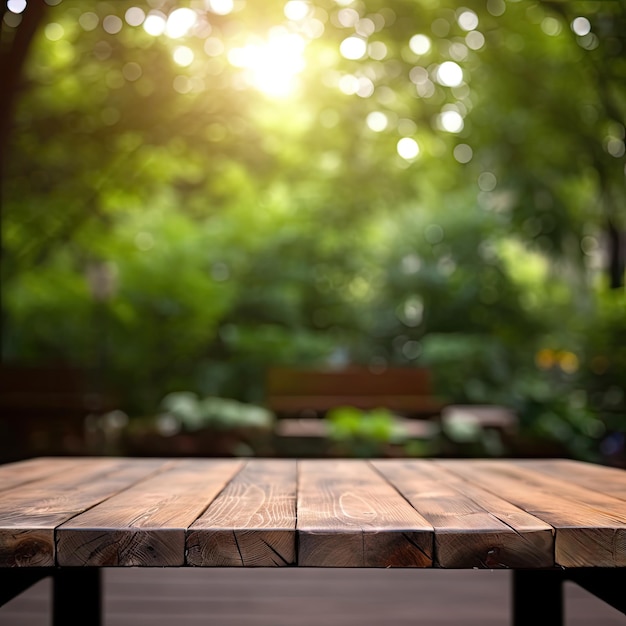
<point>452,513</point>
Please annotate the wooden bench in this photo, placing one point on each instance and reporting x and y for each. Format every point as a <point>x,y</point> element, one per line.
<point>301,392</point>
<point>300,397</point>
<point>546,520</point>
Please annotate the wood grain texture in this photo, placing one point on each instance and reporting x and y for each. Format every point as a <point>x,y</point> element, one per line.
<point>145,524</point>
<point>30,513</point>
<point>608,480</point>
<point>252,522</point>
<point>448,513</point>
<point>473,528</point>
<point>29,470</point>
<point>590,526</point>
<point>349,516</point>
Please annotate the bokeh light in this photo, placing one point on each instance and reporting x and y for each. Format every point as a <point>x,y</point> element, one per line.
<point>214,46</point>
<point>180,22</point>
<point>581,26</point>
<point>183,56</point>
<point>419,44</point>
<point>468,20</point>
<point>377,121</point>
<point>348,18</point>
<point>475,40</point>
<point>220,7</point>
<point>135,16</point>
<point>463,153</point>
<point>54,31</point>
<point>408,148</point>
<point>353,48</point>
<point>16,6</point>
<point>132,71</point>
<point>296,10</point>
<point>89,21</point>
<point>450,121</point>
<point>349,84</point>
<point>496,7</point>
<point>551,26</point>
<point>487,181</point>
<point>449,74</point>
<point>112,24</point>
<point>155,23</point>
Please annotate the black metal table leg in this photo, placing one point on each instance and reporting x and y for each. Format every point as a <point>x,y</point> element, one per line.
<point>537,597</point>
<point>606,583</point>
<point>77,594</point>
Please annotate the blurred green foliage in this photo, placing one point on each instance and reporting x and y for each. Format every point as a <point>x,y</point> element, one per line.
<point>184,410</point>
<point>170,222</point>
<point>348,423</point>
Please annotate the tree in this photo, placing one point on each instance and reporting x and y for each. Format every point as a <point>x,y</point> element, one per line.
<point>406,171</point>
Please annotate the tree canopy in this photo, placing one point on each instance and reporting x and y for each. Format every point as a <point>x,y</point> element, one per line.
<point>194,190</point>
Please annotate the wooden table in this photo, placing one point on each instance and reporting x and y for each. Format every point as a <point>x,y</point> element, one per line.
<point>548,520</point>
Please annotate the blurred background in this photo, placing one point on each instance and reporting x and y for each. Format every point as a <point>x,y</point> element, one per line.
<point>202,198</point>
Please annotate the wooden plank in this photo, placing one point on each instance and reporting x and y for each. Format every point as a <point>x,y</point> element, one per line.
<point>30,513</point>
<point>473,528</point>
<point>349,516</point>
<point>590,526</point>
<point>295,404</point>
<point>145,524</point>
<point>609,480</point>
<point>252,523</point>
<point>293,392</point>
<point>353,381</point>
<point>30,470</point>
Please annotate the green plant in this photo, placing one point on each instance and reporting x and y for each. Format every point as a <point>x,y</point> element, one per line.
<point>185,410</point>
<point>364,433</point>
<point>567,421</point>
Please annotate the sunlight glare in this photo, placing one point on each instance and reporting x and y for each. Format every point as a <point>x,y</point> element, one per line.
<point>272,65</point>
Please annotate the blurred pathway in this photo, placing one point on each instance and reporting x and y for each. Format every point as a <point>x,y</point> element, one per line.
<point>306,597</point>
